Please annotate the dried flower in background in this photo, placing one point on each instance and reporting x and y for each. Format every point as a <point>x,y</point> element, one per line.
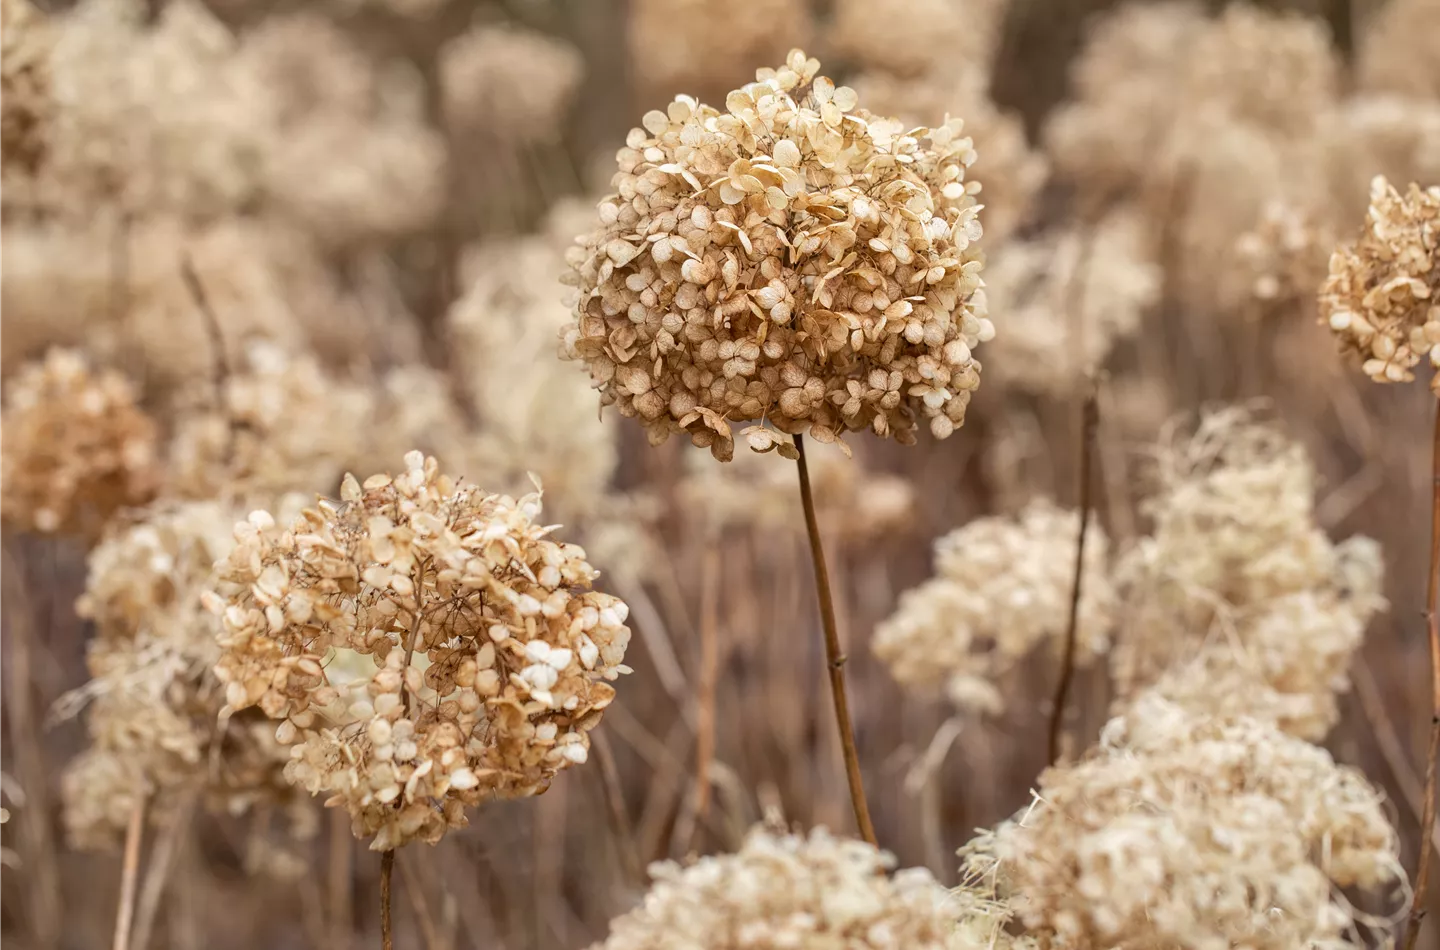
<point>426,647</point>
<point>856,503</point>
<point>1400,50</point>
<point>910,38</point>
<point>534,412</point>
<point>827,287</point>
<point>1283,260</point>
<point>24,88</point>
<point>1193,832</point>
<point>815,890</point>
<point>146,119</point>
<point>153,697</point>
<point>1238,579</point>
<point>1002,587</point>
<point>1068,299</point>
<point>508,84</point>
<point>704,48</point>
<point>1382,298</point>
<point>351,159</point>
<point>76,447</point>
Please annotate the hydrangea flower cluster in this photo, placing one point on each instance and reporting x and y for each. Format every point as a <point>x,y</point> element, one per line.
<point>815,890</point>
<point>425,645</point>
<point>792,260</point>
<point>1382,298</point>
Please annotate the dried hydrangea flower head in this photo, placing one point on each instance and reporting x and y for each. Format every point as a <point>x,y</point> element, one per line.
<point>1002,587</point>
<point>148,116</point>
<point>1382,297</point>
<point>1068,300</point>
<point>535,413</point>
<point>425,645</point>
<point>508,84</point>
<point>909,38</point>
<point>24,95</point>
<point>792,259</point>
<point>153,697</point>
<point>1238,579</point>
<point>1183,831</point>
<point>76,447</point>
<point>1281,260</point>
<point>815,890</point>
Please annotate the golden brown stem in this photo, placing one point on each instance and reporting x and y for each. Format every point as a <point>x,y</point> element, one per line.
<point>1089,423</point>
<point>129,876</point>
<point>835,660</point>
<point>709,673</point>
<point>387,871</point>
<point>1432,622</point>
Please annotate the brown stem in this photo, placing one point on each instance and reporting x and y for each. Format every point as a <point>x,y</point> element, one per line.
<point>387,871</point>
<point>1090,421</point>
<point>835,660</point>
<point>1432,622</point>
<point>157,873</point>
<point>341,916</point>
<point>709,673</point>
<point>129,875</point>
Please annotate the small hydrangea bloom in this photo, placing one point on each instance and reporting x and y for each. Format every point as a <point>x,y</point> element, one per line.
<point>425,645</point>
<point>76,447</point>
<point>815,890</point>
<point>1382,298</point>
<point>792,259</point>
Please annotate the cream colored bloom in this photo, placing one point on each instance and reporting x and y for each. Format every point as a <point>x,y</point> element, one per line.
<point>755,262</point>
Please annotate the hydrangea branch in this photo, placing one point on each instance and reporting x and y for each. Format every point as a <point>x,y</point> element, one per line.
<point>834,658</point>
<point>1090,421</point>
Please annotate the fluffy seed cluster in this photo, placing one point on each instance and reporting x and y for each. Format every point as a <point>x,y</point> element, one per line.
<point>153,697</point>
<point>1238,584</point>
<point>76,447</point>
<point>1183,831</point>
<point>1382,297</point>
<point>1002,586</point>
<point>426,647</point>
<point>792,259</point>
<point>1068,299</point>
<point>815,890</point>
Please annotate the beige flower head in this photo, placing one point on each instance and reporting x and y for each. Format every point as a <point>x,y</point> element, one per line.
<point>1382,298</point>
<point>793,261</point>
<point>1193,833</point>
<point>76,449</point>
<point>425,645</point>
<point>815,890</point>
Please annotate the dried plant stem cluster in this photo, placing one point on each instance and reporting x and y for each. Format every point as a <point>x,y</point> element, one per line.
<point>792,259</point>
<point>425,647</point>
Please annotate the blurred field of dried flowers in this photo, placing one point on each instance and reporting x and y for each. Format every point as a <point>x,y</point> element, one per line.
<point>251,249</point>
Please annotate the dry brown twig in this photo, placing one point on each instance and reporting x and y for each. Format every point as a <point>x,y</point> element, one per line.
<point>129,876</point>
<point>1089,423</point>
<point>709,672</point>
<point>1432,758</point>
<point>834,657</point>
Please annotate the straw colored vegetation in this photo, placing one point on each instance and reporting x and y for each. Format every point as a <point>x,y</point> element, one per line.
<point>1073,588</point>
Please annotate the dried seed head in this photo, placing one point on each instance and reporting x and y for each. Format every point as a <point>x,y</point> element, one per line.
<point>816,890</point>
<point>1192,832</point>
<point>426,647</point>
<point>727,284</point>
<point>1236,552</point>
<point>1002,587</point>
<point>1382,298</point>
<point>76,447</point>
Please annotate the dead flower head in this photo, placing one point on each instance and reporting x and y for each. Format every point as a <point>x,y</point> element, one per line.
<point>1382,298</point>
<point>792,258</point>
<point>425,645</point>
<point>76,447</point>
<point>815,890</point>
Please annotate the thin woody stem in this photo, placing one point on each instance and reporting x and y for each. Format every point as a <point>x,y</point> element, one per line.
<point>1089,423</point>
<point>387,871</point>
<point>835,660</point>
<point>1432,758</point>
